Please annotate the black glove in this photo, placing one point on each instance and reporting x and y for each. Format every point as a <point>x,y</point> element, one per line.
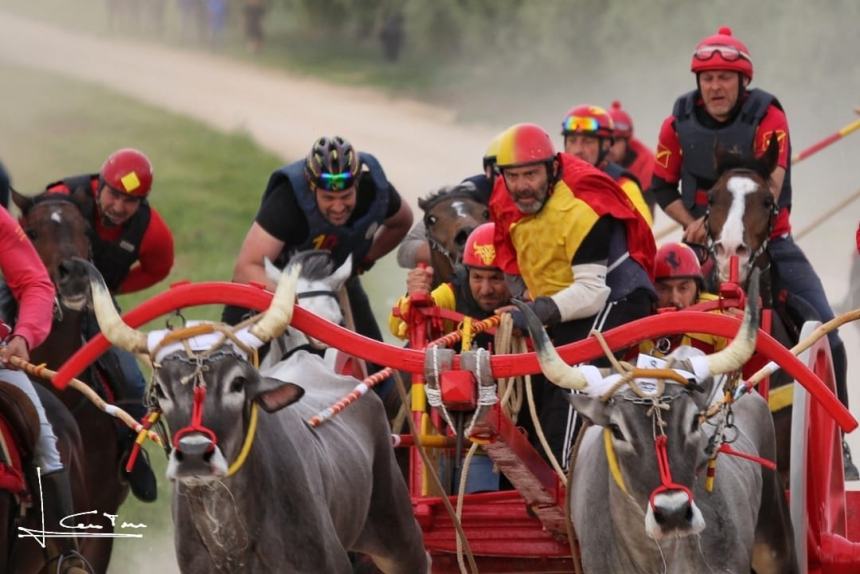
<point>545,309</point>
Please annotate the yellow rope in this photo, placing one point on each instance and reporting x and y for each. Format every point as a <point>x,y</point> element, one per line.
<point>613,461</point>
<point>246,446</point>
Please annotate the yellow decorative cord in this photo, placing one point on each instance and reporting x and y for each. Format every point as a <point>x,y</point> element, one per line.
<point>246,446</point>
<point>466,334</point>
<point>612,461</point>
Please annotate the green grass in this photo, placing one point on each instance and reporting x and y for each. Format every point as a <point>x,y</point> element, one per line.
<point>207,187</point>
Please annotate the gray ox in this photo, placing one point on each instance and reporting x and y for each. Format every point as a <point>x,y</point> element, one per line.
<point>742,525</point>
<point>303,496</point>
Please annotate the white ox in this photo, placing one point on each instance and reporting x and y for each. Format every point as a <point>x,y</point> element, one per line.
<point>303,497</point>
<point>633,514</point>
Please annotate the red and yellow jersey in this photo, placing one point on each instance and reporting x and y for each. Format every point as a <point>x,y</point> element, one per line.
<point>702,341</point>
<point>592,194</point>
<point>634,193</point>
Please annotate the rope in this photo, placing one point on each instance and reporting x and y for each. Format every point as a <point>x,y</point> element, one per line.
<point>246,445</point>
<point>461,535</point>
<point>42,372</point>
<point>510,389</point>
<point>461,492</point>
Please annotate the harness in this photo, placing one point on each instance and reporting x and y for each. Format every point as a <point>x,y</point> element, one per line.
<point>200,360</point>
<point>759,251</point>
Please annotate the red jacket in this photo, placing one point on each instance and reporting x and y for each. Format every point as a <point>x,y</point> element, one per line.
<point>643,163</point>
<point>28,280</point>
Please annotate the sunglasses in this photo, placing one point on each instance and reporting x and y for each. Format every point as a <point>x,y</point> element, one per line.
<point>728,53</point>
<point>580,124</point>
<point>335,181</point>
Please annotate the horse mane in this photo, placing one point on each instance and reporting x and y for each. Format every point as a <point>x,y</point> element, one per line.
<point>317,264</point>
<point>464,190</point>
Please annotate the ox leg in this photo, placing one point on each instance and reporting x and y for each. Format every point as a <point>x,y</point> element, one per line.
<point>391,535</point>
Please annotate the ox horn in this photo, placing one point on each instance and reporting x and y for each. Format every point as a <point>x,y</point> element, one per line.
<point>280,312</point>
<point>552,366</point>
<point>111,324</point>
<point>742,346</point>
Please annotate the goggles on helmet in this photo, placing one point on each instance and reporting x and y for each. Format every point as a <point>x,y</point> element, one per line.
<point>580,124</point>
<point>335,181</point>
<point>728,53</point>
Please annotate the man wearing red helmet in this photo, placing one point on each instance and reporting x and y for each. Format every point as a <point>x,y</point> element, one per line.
<point>723,111</point>
<point>630,153</point>
<point>680,284</point>
<point>588,133</point>
<point>584,254</point>
<point>132,245</point>
<point>132,249</point>
<point>478,288</point>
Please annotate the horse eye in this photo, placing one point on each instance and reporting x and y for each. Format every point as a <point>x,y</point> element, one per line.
<point>238,385</point>
<point>487,214</point>
<point>616,432</point>
<point>31,233</point>
<point>430,220</point>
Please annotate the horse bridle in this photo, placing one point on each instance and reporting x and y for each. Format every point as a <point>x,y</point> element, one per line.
<point>436,246</point>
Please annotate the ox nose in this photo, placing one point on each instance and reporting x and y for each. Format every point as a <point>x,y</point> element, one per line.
<point>673,511</point>
<point>196,455</point>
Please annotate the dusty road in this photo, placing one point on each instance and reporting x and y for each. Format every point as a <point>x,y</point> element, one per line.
<point>419,145</point>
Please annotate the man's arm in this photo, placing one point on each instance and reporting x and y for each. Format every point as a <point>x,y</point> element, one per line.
<point>390,233</point>
<point>155,259</point>
<point>249,266</point>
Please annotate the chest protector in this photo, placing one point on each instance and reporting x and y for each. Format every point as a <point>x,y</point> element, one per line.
<point>354,238</point>
<point>698,173</point>
<point>113,258</point>
<point>616,172</point>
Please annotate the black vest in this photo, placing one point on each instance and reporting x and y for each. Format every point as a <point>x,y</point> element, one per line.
<point>698,172</point>
<point>342,240</point>
<point>113,259</point>
<point>616,172</point>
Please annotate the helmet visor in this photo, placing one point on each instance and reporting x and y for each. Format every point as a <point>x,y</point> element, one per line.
<point>335,181</point>
<point>728,53</point>
<point>580,124</point>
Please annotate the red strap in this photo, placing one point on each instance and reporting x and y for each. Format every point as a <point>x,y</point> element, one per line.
<point>196,420</point>
<point>727,448</point>
<point>665,471</point>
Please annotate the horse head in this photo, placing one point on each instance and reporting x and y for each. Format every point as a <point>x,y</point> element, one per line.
<point>451,213</point>
<point>741,208</point>
<point>316,291</point>
<point>59,231</point>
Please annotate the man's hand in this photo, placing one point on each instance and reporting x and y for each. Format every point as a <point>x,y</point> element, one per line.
<point>696,232</point>
<point>419,280</point>
<point>15,347</point>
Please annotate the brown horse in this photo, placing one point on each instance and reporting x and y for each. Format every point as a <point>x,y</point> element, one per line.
<point>59,231</point>
<point>450,215</point>
<point>740,218</point>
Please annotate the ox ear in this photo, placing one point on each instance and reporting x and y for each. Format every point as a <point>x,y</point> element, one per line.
<point>591,408</point>
<point>273,394</point>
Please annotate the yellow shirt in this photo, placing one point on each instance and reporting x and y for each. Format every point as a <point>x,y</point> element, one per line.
<point>547,241</point>
<point>631,188</point>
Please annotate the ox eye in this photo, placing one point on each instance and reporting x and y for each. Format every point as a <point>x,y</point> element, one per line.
<point>694,426</point>
<point>616,432</point>
<point>238,385</point>
<point>159,391</point>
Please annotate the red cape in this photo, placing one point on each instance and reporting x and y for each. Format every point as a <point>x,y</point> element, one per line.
<point>592,186</point>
